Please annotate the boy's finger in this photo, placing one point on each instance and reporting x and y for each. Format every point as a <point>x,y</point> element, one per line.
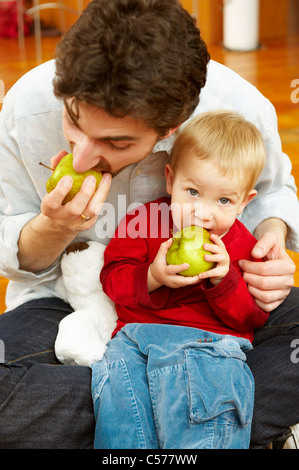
<point>176,268</point>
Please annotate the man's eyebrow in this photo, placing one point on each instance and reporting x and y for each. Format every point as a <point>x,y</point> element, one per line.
<point>116,138</point>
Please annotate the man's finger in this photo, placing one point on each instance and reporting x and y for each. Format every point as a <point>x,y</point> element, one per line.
<point>267,283</point>
<point>264,245</point>
<point>53,200</point>
<point>268,300</point>
<point>56,159</point>
<point>269,268</point>
<point>100,195</point>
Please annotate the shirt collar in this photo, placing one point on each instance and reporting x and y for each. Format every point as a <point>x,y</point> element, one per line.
<point>165,145</point>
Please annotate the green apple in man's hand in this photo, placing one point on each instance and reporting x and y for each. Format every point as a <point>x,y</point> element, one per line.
<point>65,167</point>
<point>187,247</point>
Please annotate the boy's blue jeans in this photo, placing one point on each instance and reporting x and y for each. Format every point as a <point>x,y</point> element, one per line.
<point>164,386</point>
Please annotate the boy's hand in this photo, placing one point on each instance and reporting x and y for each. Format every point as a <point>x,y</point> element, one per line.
<point>162,274</point>
<point>219,256</point>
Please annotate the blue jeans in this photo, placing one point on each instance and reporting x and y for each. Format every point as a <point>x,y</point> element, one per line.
<point>275,372</point>
<point>171,387</point>
<point>44,404</point>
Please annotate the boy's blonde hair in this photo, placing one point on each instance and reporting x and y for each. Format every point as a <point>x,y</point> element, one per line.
<point>235,144</point>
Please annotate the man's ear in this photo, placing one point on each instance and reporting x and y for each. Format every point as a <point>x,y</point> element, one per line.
<point>170,132</point>
<point>247,199</point>
<point>169,178</point>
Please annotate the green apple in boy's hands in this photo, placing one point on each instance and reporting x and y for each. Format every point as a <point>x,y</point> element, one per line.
<point>187,247</point>
<point>65,167</point>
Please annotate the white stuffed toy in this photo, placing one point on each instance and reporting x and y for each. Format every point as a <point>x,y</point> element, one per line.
<point>83,335</point>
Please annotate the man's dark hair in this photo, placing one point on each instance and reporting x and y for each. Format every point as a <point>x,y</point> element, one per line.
<point>143,58</point>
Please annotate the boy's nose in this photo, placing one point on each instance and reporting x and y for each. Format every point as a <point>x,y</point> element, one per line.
<point>203,213</point>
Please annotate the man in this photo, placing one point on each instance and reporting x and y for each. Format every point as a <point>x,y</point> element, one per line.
<point>128,74</point>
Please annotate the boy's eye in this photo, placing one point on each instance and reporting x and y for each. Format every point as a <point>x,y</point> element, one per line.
<point>193,192</point>
<point>224,201</point>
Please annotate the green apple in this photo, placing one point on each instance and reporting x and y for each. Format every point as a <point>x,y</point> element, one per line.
<point>187,247</point>
<point>65,167</point>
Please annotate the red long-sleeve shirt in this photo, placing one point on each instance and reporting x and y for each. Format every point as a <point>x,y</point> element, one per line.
<point>227,308</point>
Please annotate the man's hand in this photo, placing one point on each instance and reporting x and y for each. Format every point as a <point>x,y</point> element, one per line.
<point>87,201</point>
<point>43,238</point>
<point>269,282</point>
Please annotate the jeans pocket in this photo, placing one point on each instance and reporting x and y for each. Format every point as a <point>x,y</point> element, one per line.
<point>220,388</point>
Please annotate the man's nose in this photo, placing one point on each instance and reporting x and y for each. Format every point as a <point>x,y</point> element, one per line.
<point>85,155</point>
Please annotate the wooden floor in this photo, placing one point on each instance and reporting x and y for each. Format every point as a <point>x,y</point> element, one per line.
<point>272,69</point>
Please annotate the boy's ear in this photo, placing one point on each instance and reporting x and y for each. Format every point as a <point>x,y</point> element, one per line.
<point>247,199</point>
<point>169,178</point>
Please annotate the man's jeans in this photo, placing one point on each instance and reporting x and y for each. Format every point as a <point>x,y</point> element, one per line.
<point>274,363</point>
<point>43,404</point>
<point>171,387</point>
<point>47,405</point>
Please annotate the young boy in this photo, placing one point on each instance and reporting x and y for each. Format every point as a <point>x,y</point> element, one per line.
<point>174,375</point>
